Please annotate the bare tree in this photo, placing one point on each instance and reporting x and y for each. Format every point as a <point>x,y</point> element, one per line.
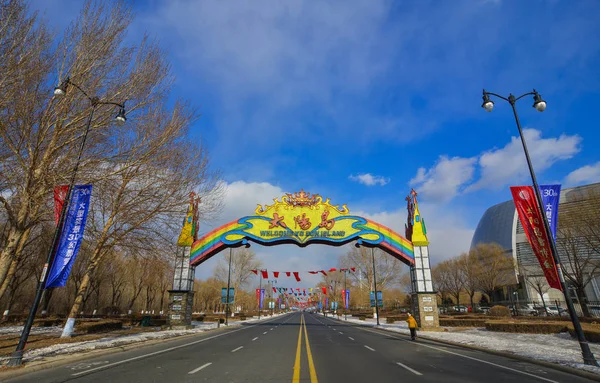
<point>243,260</point>
<point>496,268</point>
<point>471,270</point>
<point>578,241</point>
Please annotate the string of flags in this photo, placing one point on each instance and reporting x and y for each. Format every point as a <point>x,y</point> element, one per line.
<point>298,292</point>
<point>265,273</point>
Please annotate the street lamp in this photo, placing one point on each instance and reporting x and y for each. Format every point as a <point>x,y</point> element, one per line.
<point>271,283</point>
<point>540,105</point>
<point>120,119</point>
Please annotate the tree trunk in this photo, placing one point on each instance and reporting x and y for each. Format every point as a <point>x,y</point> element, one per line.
<point>582,303</point>
<point>81,294</point>
<point>20,239</point>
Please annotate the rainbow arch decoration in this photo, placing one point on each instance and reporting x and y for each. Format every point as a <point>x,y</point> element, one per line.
<point>302,219</point>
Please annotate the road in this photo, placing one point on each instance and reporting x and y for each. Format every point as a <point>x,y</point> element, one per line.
<point>299,347</point>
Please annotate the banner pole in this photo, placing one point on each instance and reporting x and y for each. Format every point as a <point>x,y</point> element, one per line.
<point>16,358</point>
<point>228,284</point>
<point>375,285</point>
<point>588,356</point>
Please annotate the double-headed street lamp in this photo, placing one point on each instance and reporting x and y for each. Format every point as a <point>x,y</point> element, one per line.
<point>540,105</point>
<point>120,119</point>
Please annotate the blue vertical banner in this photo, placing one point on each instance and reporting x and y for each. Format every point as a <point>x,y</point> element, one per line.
<point>379,299</point>
<point>347,298</point>
<point>70,237</point>
<point>550,198</point>
<point>262,298</point>
<point>224,295</point>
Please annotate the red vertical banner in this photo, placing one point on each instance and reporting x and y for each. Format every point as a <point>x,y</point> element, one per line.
<point>531,219</point>
<point>60,194</point>
<point>258,297</point>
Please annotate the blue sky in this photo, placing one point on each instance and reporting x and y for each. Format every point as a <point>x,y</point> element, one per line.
<point>361,100</point>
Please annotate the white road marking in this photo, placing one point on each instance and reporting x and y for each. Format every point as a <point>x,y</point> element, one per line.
<point>408,368</point>
<point>351,338</point>
<point>264,333</point>
<point>341,333</point>
<point>464,356</point>
<point>199,368</point>
<point>160,351</point>
<point>333,329</point>
<point>271,329</point>
<point>237,349</point>
<point>254,339</point>
<point>372,349</point>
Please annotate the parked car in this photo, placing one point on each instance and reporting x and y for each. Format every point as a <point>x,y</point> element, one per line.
<point>554,310</point>
<point>525,310</point>
<point>460,309</point>
<point>482,309</point>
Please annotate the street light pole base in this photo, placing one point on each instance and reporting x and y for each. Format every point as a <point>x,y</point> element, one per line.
<point>589,360</point>
<point>16,359</point>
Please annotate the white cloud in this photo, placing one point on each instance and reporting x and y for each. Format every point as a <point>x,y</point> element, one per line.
<point>282,49</point>
<point>583,175</point>
<point>497,167</point>
<point>369,179</point>
<point>444,180</point>
<point>446,230</point>
<point>508,165</point>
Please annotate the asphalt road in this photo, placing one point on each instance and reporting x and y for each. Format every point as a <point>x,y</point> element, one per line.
<point>299,347</point>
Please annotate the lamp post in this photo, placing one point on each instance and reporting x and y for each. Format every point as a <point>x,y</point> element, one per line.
<point>228,285</point>
<point>120,118</point>
<point>346,303</point>
<point>540,105</point>
<point>375,285</point>
<point>271,283</point>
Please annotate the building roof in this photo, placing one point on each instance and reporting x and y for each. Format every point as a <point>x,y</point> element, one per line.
<point>496,225</point>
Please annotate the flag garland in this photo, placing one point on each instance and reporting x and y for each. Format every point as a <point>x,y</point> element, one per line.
<point>296,274</point>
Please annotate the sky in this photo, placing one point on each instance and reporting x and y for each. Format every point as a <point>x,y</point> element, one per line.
<point>361,100</point>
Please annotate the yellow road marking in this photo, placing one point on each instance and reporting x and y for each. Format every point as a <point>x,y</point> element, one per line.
<point>296,378</point>
<point>311,364</point>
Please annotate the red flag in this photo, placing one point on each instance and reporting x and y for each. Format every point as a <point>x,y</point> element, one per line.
<point>313,272</point>
<point>255,271</point>
<point>324,273</point>
<point>265,274</point>
<point>60,193</point>
<point>296,276</point>
<point>531,219</point>
<point>324,290</point>
<point>288,273</point>
<point>274,290</point>
<point>275,274</point>
<point>344,269</point>
<point>353,269</point>
<point>297,288</point>
<point>332,269</point>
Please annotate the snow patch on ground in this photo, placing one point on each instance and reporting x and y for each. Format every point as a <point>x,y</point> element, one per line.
<point>34,330</point>
<point>554,348</point>
<point>76,347</point>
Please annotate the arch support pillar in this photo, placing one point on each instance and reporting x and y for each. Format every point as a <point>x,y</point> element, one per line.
<point>423,298</point>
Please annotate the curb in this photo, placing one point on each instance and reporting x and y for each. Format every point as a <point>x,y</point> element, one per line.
<point>554,366</point>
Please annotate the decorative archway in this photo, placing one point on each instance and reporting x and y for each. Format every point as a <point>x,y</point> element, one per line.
<point>302,219</point>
